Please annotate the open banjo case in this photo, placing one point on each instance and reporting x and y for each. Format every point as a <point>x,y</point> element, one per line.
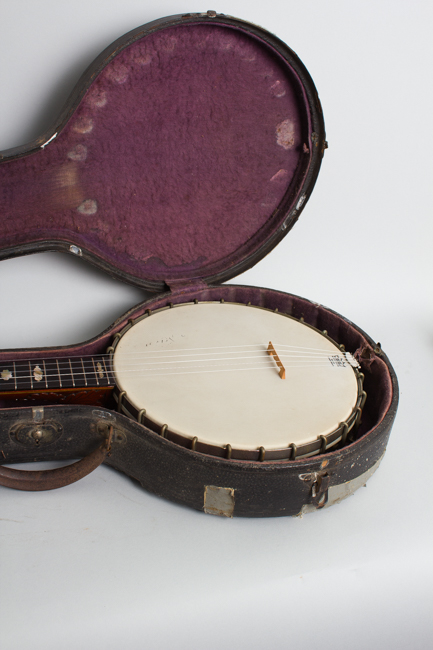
<point>185,153</point>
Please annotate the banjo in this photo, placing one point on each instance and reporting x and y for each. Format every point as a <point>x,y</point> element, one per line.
<point>226,379</point>
<point>237,381</point>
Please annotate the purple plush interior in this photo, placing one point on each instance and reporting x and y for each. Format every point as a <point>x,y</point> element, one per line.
<point>175,161</point>
<point>377,382</point>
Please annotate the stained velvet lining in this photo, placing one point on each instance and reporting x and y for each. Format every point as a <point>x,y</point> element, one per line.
<point>175,161</point>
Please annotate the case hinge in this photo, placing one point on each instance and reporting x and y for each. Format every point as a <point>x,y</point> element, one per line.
<point>179,286</point>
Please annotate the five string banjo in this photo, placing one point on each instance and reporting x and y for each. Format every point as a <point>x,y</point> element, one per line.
<point>226,379</point>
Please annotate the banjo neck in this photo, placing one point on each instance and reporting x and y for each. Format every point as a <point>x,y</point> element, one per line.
<point>27,377</point>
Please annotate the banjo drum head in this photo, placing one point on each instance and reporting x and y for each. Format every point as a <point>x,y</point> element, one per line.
<point>205,372</point>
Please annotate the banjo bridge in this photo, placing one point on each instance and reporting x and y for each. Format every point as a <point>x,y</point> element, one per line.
<point>272,352</point>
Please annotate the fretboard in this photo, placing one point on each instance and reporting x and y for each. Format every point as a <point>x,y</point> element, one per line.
<point>56,374</point>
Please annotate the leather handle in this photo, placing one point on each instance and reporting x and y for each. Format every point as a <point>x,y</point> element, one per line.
<point>51,479</point>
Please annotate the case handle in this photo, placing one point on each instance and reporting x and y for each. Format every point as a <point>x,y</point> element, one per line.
<point>51,479</point>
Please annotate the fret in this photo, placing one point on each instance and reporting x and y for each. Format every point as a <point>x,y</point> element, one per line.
<point>84,372</point>
<point>37,374</point>
<point>23,375</point>
<point>105,368</point>
<point>72,373</point>
<point>78,374</point>
<point>109,371</point>
<point>65,373</point>
<point>58,372</point>
<point>94,370</point>
<point>52,374</point>
<point>45,374</point>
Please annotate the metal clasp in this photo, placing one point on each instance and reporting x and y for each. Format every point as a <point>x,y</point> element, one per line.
<point>319,484</point>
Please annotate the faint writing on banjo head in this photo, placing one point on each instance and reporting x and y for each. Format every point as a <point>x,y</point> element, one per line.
<point>237,381</point>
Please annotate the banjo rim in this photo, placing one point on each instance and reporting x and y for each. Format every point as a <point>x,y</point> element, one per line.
<point>330,441</point>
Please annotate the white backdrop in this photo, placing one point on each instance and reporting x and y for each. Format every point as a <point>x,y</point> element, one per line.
<point>102,564</point>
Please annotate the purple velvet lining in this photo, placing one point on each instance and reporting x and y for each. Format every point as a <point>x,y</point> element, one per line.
<point>377,382</point>
<point>175,160</point>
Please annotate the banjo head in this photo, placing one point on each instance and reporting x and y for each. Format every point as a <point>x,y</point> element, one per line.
<point>237,381</point>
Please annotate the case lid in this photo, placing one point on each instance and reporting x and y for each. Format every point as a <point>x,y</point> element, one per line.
<point>185,153</point>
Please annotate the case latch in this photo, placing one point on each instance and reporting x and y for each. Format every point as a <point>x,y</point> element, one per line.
<point>37,431</point>
<point>319,484</point>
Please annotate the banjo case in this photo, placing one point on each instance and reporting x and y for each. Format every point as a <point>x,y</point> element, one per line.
<point>185,153</point>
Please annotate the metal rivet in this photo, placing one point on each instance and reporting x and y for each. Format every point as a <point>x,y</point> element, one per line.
<point>38,413</point>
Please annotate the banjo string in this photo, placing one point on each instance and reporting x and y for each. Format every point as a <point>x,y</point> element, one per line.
<point>231,359</point>
<point>192,372</point>
<point>154,372</point>
<point>142,362</point>
<point>79,361</point>
<point>143,355</point>
<point>257,346</point>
